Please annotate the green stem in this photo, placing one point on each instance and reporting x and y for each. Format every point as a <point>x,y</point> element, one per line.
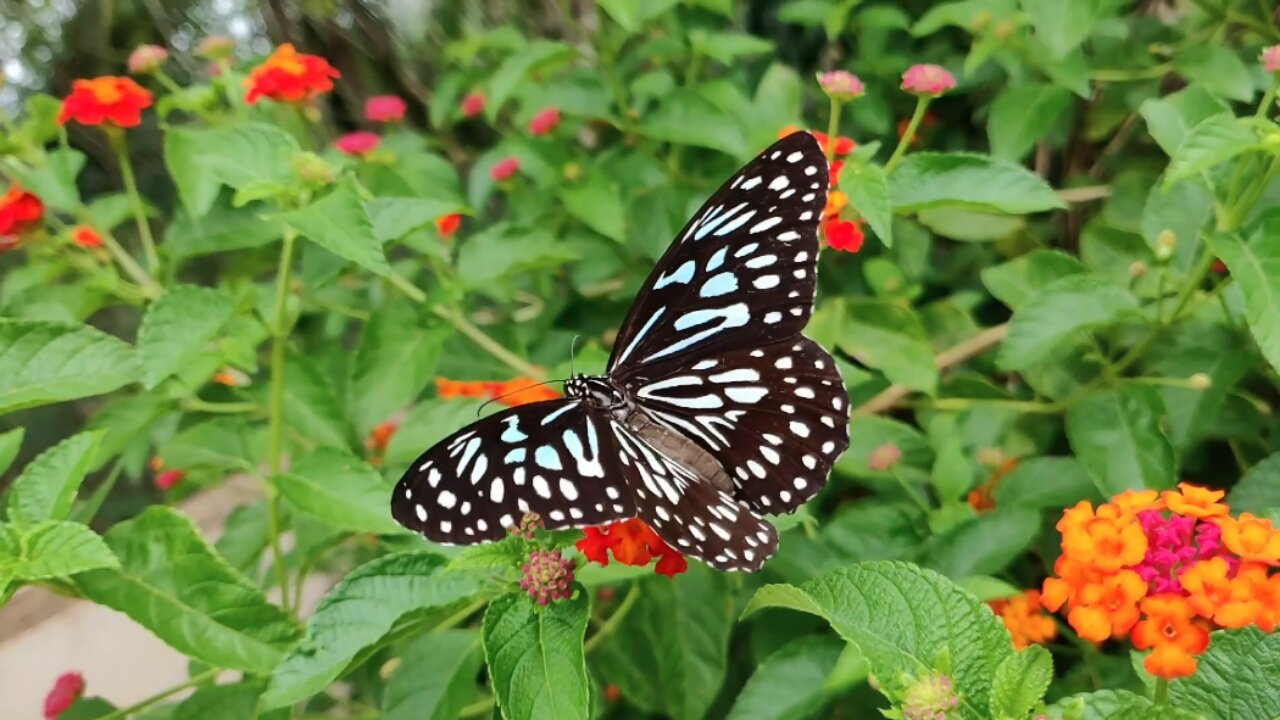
<point>1160,695</point>
<point>1027,406</point>
<point>123,713</point>
<point>168,82</point>
<point>275,410</point>
<point>921,502</point>
<point>480,707</point>
<point>922,104</point>
<point>130,266</point>
<point>610,626</point>
<point>117,140</point>
<point>833,129</point>
<point>1268,98</point>
<point>198,405</point>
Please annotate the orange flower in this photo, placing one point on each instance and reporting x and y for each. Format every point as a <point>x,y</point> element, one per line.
<point>1251,537</point>
<point>86,237</point>
<point>1195,501</point>
<point>1109,607</point>
<point>632,542</point>
<point>1132,502</point>
<point>511,393</point>
<point>231,377</point>
<point>20,211</point>
<point>1265,590</point>
<point>836,201</point>
<point>108,100</point>
<point>1228,602</point>
<point>381,435</point>
<point>290,76</point>
<point>982,498</point>
<point>1109,544</point>
<point>1024,617</point>
<point>447,225</point>
<point>1170,628</point>
<point>845,235</point>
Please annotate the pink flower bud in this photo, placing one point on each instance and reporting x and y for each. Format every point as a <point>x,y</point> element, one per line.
<point>841,86</point>
<point>529,524</point>
<point>146,59</point>
<point>361,143</point>
<point>547,576</point>
<point>66,690</point>
<point>884,457</point>
<point>216,47</point>
<point>504,169</point>
<point>384,108</point>
<point>927,80</point>
<point>931,698</point>
<point>1270,58</point>
<point>545,121</point>
<point>169,478</point>
<point>473,104</point>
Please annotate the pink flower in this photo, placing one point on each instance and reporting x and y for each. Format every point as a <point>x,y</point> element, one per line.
<point>146,59</point>
<point>169,478</point>
<point>545,121</point>
<point>841,86</point>
<point>361,142</point>
<point>473,104</point>
<point>547,576</point>
<point>1270,58</point>
<point>884,457</point>
<point>927,80</point>
<point>504,169</point>
<point>66,690</point>
<point>384,108</point>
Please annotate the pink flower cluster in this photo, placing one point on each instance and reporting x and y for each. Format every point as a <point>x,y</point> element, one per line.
<point>547,576</point>
<point>1174,544</point>
<point>927,80</point>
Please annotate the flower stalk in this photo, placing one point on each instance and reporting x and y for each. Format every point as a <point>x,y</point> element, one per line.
<point>275,409</point>
<point>116,137</point>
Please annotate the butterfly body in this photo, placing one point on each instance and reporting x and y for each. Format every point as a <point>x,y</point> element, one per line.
<point>713,410</point>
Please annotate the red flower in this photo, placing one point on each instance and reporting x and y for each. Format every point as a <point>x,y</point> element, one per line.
<point>109,100</point>
<point>290,76</point>
<point>384,108</point>
<point>632,542</point>
<point>20,211</point>
<point>169,478</point>
<point>504,169</point>
<point>447,225</point>
<point>844,235</point>
<point>545,121</point>
<point>360,142</point>
<point>86,237</point>
<point>596,545</point>
<point>66,690</point>
<point>473,104</point>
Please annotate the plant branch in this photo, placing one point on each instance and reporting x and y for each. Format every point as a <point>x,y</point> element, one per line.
<point>945,360</point>
<point>275,410</point>
<point>116,138</point>
<point>610,626</point>
<point>123,713</point>
<point>922,104</point>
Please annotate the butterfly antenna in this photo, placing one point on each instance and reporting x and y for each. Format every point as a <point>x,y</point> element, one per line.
<point>573,351</point>
<point>513,392</point>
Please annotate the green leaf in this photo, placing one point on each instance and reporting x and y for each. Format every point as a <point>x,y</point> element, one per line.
<point>868,191</point>
<point>668,655</point>
<point>341,490</point>
<point>312,406</point>
<point>1020,683</point>
<point>58,548</point>
<point>969,226</point>
<point>887,336</point>
<point>503,250</point>
<point>221,702</point>
<point>1209,143</point>
<point>1062,26</point>
<point>868,432</point>
<point>220,444</point>
<point>356,616</point>
<point>436,677</point>
<point>200,161</point>
<point>48,485</point>
<point>1117,434</point>
<point>789,684</point>
<point>986,544</point>
<point>685,117</point>
<point>1170,118</point>
<point>598,204</point>
<point>1258,491</point>
<point>907,621</point>
<point>394,363</point>
<point>535,656</point>
<point>632,15</point>
<point>394,217</point>
<point>339,223</point>
<point>1045,482</point>
<point>1114,705</point>
<point>538,55</point>
<point>54,182</point>
<point>173,584</point>
<point>429,423</point>
<point>728,47</point>
<point>1218,68</point>
<point>47,362</point>
<point>1021,115</point>
<point>1059,314</point>
<point>1024,277</point>
<point>178,327</point>
<point>976,182</point>
<point>1237,678</point>
<point>10,445</point>
<point>221,229</point>
<point>1219,352</point>
<point>1255,266</point>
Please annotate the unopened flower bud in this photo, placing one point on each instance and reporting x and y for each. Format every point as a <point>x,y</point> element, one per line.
<point>547,576</point>
<point>1166,244</point>
<point>841,86</point>
<point>927,80</point>
<point>146,59</point>
<point>572,171</point>
<point>981,21</point>
<point>930,698</point>
<point>528,525</point>
<point>314,170</point>
<point>1270,58</point>
<point>216,47</point>
<point>1137,269</point>
<point>1004,29</point>
<point>1200,381</point>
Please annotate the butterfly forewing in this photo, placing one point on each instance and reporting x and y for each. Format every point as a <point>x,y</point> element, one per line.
<point>558,459</point>
<point>742,271</point>
<point>775,417</point>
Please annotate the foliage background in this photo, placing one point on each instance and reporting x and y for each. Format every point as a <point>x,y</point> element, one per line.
<point>1070,329</point>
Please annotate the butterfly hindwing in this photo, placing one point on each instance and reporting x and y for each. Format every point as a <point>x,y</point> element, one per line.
<point>742,271</point>
<point>774,417</point>
<point>556,458</point>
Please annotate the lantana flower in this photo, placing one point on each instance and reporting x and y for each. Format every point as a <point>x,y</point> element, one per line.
<point>631,542</point>
<point>146,59</point>
<point>547,576</point>
<point>20,211</point>
<point>511,393</point>
<point>504,169</point>
<point>358,143</point>
<point>108,100</point>
<point>1024,617</point>
<point>841,234</point>
<point>384,108</point>
<point>927,80</point>
<point>290,76</point>
<point>67,689</point>
<point>447,225</point>
<point>545,121</point>
<point>473,104</point>
<point>1270,58</point>
<point>86,237</point>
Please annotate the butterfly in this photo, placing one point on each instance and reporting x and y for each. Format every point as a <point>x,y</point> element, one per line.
<point>714,409</point>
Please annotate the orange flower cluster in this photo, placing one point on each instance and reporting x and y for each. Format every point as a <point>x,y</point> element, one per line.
<point>632,542</point>
<point>511,393</point>
<point>846,235</point>
<point>86,237</point>
<point>1025,618</point>
<point>378,440</point>
<point>290,76</point>
<point>20,211</point>
<point>1165,569</point>
<point>983,497</point>
<point>108,100</point>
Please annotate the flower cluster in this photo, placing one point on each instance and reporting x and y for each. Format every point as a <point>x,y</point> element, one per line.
<point>379,437</point>
<point>983,497</point>
<point>930,698</point>
<point>20,211</point>
<point>927,80</point>
<point>632,542</point>
<point>1024,616</point>
<point>473,104</point>
<point>384,108</point>
<point>547,576</point>
<point>109,100</point>
<point>290,76</point>
<point>165,479</point>
<point>1165,569</point>
<point>846,235</point>
<point>86,237</point>
<point>359,143</point>
<point>67,689</point>
<point>545,122</point>
<point>447,225</point>
<point>511,393</point>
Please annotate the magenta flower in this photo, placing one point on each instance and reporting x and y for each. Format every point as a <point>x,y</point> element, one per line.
<point>384,108</point>
<point>841,86</point>
<point>504,169</point>
<point>146,59</point>
<point>1270,58</point>
<point>361,142</point>
<point>547,576</point>
<point>927,80</point>
<point>66,690</point>
<point>545,121</point>
<point>473,104</point>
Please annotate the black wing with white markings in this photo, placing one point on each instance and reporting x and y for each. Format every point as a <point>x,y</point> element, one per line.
<point>742,271</point>
<point>557,458</point>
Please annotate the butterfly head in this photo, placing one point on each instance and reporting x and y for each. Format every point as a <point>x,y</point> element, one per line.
<point>596,390</point>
